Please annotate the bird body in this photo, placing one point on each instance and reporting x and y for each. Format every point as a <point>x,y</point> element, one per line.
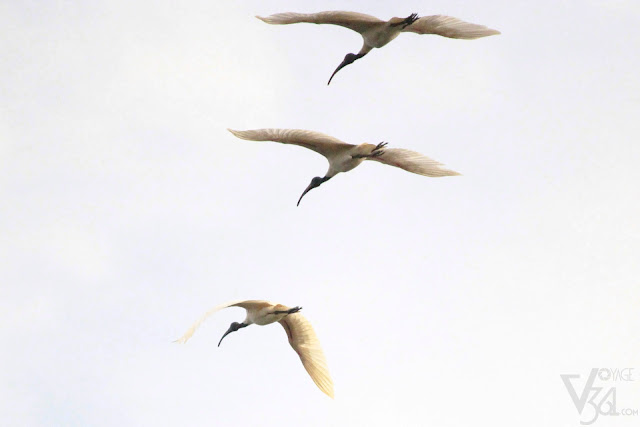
<point>345,161</point>
<point>261,312</point>
<point>344,157</point>
<point>376,33</point>
<point>299,332</point>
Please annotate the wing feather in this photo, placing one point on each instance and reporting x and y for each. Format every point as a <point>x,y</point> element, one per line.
<point>316,141</point>
<point>448,26</point>
<point>246,304</point>
<point>353,20</point>
<point>304,341</point>
<point>412,161</point>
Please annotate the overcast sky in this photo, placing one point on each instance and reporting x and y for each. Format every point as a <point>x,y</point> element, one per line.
<point>127,210</point>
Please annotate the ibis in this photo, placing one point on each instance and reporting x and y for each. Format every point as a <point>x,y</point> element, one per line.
<point>301,335</point>
<point>377,33</point>
<point>344,157</point>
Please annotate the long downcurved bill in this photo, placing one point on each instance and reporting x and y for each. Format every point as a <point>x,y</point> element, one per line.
<point>225,334</point>
<point>341,66</point>
<point>309,188</point>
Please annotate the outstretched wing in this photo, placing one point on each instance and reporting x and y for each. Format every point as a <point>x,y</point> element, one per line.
<point>316,141</point>
<point>413,162</point>
<point>448,26</point>
<point>304,341</point>
<point>353,20</point>
<point>247,305</point>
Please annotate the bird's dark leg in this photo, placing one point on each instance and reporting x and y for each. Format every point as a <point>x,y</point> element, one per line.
<point>378,151</point>
<point>380,145</point>
<point>290,311</point>
<point>407,21</point>
<point>410,20</point>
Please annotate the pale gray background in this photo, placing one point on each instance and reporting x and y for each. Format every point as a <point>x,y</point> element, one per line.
<point>127,210</point>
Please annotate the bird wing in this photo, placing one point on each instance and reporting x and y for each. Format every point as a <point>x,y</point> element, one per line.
<point>316,141</point>
<point>247,305</point>
<point>413,162</point>
<point>304,341</point>
<point>353,20</point>
<point>448,26</point>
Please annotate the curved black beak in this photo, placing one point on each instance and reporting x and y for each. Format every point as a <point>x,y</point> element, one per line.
<point>315,182</point>
<point>341,66</point>
<point>310,187</point>
<point>225,334</point>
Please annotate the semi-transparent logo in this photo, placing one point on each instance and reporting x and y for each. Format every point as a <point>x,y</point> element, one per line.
<point>598,396</point>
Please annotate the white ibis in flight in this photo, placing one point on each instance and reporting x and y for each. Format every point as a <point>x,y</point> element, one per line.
<point>343,157</point>
<point>377,33</point>
<point>299,331</point>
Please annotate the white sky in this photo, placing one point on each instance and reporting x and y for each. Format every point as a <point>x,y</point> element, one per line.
<point>127,210</point>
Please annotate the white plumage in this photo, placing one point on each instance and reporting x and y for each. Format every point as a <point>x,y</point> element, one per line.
<point>299,331</point>
<point>344,157</point>
<point>448,26</point>
<point>377,33</point>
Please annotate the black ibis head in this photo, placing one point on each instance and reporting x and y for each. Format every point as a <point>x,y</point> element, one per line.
<point>315,182</point>
<point>348,59</point>
<point>234,327</point>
